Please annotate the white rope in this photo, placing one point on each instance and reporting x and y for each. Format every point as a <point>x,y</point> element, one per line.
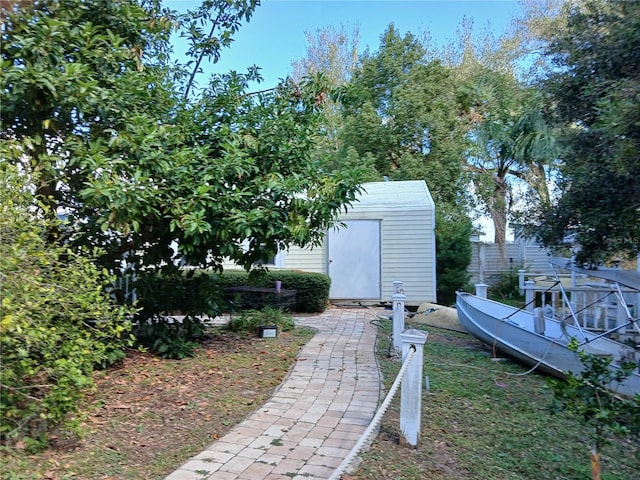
<point>376,419</point>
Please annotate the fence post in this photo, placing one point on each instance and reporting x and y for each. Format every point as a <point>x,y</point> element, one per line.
<point>398,299</point>
<point>482,290</point>
<point>411,390</point>
<point>521,281</point>
<point>530,294</point>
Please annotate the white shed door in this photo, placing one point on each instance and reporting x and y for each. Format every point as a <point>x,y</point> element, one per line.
<point>354,260</point>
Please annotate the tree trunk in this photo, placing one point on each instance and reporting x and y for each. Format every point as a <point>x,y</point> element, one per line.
<point>595,465</point>
<point>498,211</point>
<point>500,226</point>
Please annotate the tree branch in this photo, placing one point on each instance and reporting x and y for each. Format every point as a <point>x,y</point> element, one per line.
<point>200,57</point>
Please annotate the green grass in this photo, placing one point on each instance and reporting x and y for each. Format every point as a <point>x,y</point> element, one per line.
<point>486,419</point>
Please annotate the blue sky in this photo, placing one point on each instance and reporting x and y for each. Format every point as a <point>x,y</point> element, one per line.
<point>275,36</point>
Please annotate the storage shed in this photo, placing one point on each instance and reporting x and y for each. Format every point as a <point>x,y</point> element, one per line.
<point>389,235</point>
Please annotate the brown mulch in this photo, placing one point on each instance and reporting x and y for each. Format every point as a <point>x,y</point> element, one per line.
<point>148,415</point>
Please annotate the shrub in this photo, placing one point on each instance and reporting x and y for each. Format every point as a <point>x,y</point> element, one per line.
<point>312,289</point>
<point>191,293</point>
<point>58,323</point>
<point>453,255</point>
<point>171,292</point>
<point>251,320</point>
<point>169,338</point>
<point>507,287</point>
<point>587,395</point>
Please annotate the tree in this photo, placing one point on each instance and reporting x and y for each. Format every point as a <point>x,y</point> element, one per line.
<point>332,54</point>
<point>594,94</point>
<point>510,146</point>
<point>331,51</point>
<point>405,112</point>
<point>65,69</point>
<point>221,20</point>
<point>143,164</point>
<point>513,148</point>
<point>453,254</point>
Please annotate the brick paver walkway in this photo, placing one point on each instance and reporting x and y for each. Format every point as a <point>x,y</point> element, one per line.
<point>314,418</point>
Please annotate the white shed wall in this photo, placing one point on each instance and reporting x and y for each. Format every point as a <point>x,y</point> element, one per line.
<point>408,253</point>
<point>307,259</point>
<point>407,214</point>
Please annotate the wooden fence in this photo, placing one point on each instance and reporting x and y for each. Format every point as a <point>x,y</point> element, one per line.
<point>489,261</point>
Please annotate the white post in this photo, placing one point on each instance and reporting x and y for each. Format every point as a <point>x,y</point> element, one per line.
<point>538,320</point>
<point>530,293</point>
<point>398,299</point>
<point>621,313</point>
<point>481,261</point>
<point>482,290</point>
<point>521,281</point>
<point>411,389</point>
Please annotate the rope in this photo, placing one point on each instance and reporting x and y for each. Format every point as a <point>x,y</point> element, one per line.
<point>376,419</point>
<point>553,340</point>
<point>531,370</point>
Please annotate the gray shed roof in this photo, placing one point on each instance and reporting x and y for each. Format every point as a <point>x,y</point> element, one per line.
<point>409,194</point>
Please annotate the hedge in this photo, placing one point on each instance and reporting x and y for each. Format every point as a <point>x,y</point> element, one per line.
<point>312,289</point>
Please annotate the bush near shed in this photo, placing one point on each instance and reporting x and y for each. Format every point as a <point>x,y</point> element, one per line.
<point>196,294</point>
<point>312,289</point>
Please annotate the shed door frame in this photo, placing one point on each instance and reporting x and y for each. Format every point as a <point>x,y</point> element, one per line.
<point>355,260</point>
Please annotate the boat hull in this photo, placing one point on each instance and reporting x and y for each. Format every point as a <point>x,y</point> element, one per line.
<point>513,332</point>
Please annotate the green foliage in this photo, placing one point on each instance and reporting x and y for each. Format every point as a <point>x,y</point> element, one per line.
<point>312,289</point>
<point>586,395</point>
<point>170,338</point>
<point>513,147</point>
<point>453,255</point>
<point>197,294</point>
<point>251,320</point>
<point>151,168</point>
<point>402,115</point>
<point>594,101</point>
<point>58,322</point>
<point>507,287</point>
<point>191,293</point>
